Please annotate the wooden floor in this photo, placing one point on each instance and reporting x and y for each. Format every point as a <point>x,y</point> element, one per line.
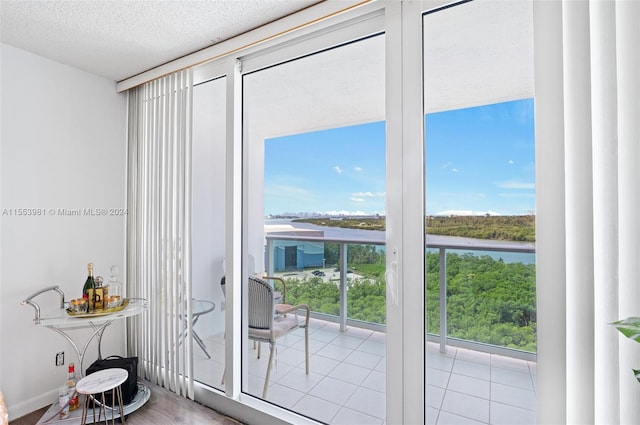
<point>163,408</point>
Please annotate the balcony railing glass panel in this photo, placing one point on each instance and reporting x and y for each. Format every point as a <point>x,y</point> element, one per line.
<point>488,296</point>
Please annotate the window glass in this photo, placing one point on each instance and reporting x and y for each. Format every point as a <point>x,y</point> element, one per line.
<point>208,231</point>
<point>480,213</point>
<point>314,163</point>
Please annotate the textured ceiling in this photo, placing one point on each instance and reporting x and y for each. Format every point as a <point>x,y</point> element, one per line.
<point>121,38</point>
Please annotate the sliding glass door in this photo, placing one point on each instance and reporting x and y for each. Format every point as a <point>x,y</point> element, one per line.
<point>208,230</point>
<point>314,183</point>
<point>480,213</point>
<point>350,142</point>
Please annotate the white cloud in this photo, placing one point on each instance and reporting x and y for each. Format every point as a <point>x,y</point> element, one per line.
<point>338,169</point>
<point>511,161</point>
<point>368,195</point>
<point>354,199</point>
<point>449,166</point>
<point>357,169</point>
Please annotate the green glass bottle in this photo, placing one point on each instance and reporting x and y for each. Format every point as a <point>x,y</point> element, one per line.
<point>89,283</point>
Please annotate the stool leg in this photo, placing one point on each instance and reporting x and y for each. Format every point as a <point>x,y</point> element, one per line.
<point>113,416</point>
<point>114,393</point>
<point>85,408</point>
<point>103,408</point>
<point>93,398</point>
<point>120,403</point>
<point>93,408</point>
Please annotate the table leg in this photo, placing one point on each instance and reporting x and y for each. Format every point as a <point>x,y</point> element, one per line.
<point>200,343</point>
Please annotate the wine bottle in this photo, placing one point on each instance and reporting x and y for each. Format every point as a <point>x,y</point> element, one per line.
<point>74,401</point>
<point>89,283</point>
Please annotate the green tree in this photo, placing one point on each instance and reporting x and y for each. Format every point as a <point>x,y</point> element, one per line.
<point>488,300</point>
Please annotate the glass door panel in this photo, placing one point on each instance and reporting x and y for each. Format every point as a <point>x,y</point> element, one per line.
<point>208,230</point>
<point>314,183</point>
<point>480,206</point>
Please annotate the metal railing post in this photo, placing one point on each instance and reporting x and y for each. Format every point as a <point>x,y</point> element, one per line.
<point>343,287</point>
<point>443,300</point>
<point>270,260</point>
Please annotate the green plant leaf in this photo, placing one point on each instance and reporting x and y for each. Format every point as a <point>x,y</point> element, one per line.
<point>629,327</point>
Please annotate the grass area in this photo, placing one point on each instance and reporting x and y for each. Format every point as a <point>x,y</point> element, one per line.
<point>507,228</point>
<point>347,223</point>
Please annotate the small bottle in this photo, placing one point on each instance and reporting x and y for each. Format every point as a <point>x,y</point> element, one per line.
<point>74,401</point>
<point>98,293</point>
<point>89,284</point>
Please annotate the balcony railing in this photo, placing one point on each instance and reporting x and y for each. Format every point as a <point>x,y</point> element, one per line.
<point>442,245</point>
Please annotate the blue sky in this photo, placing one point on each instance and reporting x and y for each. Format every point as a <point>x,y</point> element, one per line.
<point>478,160</point>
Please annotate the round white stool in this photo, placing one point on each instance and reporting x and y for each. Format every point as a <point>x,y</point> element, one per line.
<point>98,383</point>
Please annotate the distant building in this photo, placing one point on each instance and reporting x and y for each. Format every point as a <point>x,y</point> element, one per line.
<point>294,254</point>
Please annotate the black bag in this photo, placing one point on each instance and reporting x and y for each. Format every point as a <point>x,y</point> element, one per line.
<point>130,386</point>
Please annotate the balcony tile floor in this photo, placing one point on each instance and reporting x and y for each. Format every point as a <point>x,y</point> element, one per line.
<point>346,383</point>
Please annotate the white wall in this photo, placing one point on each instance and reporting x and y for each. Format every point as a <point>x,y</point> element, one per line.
<point>63,145</point>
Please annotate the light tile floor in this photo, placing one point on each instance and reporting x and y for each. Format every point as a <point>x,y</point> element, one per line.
<point>346,383</point>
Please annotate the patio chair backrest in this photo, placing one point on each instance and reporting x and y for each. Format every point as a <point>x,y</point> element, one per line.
<point>260,304</point>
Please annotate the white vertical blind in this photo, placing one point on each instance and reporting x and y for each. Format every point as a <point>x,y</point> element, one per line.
<point>578,209</point>
<point>595,79</point>
<point>159,229</point>
<point>550,208</point>
<point>628,79</point>
<point>605,209</point>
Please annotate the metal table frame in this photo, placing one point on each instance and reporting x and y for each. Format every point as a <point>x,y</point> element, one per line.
<point>61,322</point>
<point>199,308</point>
